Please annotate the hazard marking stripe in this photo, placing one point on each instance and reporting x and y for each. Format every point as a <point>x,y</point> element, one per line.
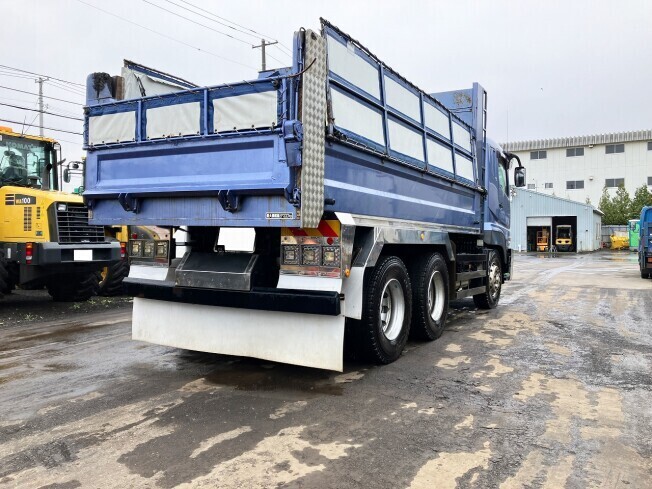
<point>326,229</point>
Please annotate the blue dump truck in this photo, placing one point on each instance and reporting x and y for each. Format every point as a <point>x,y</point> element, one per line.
<point>645,243</point>
<point>328,203</point>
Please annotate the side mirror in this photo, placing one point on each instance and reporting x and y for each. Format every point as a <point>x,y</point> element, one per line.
<point>519,176</point>
<point>66,175</point>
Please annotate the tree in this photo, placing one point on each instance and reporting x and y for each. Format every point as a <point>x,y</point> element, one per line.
<point>622,203</point>
<point>607,207</point>
<point>642,197</point>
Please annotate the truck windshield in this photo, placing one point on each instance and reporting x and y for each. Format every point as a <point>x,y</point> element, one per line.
<point>22,161</point>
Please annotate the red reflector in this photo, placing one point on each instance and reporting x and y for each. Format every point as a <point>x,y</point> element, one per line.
<point>329,240</point>
<point>134,236</point>
<point>123,250</point>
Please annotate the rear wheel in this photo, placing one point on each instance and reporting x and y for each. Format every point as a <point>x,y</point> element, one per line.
<point>5,287</point>
<point>385,324</point>
<point>489,299</point>
<point>430,292</point>
<point>74,287</point>
<point>112,277</point>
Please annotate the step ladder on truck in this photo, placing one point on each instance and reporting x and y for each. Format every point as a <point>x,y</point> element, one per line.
<point>328,199</point>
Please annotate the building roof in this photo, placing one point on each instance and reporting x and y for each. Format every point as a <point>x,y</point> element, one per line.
<point>552,198</point>
<point>569,142</point>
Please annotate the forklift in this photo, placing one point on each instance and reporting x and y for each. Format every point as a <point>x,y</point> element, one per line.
<point>564,237</point>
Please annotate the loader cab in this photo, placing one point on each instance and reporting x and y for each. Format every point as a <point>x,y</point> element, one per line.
<point>28,162</point>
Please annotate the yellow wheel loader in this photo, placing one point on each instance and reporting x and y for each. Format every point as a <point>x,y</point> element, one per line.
<point>45,237</point>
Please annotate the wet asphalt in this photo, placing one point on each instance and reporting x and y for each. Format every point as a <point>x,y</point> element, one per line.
<point>552,389</point>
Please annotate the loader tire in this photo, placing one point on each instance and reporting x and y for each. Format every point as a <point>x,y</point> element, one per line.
<point>489,299</point>
<point>430,291</point>
<point>74,287</point>
<point>112,277</point>
<point>387,310</point>
<point>5,286</point>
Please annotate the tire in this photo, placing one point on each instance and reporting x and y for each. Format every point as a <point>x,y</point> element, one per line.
<point>489,299</point>
<point>5,286</point>
<point>74,287</point>
<point>430,295</point>
<point>112,277</point>
<point>387,309</point>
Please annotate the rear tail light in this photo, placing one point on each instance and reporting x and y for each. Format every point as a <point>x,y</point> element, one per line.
<point>290,254</point>
<point>331,256</point>
<point>148,249</point>
<point>29,252</point>
<point>136,249</point>
<point>161,249</point>
<point>123,250</point>
<point>311,255</point>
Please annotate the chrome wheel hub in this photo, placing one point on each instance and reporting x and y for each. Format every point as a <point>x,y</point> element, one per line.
<point>392,309</point>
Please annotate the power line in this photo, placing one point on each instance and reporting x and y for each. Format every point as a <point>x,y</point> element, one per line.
<point>195,22</point>
<point>253,32</point>
<point>43,76</point>
<point>65,89</point>
<point>42,111</point>
<point>166,36</point>
<point>48,128</point>
<point>44,96</point>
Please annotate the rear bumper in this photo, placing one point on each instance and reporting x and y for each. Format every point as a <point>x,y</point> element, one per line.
<point>262,299</point>
<point>48,254</point>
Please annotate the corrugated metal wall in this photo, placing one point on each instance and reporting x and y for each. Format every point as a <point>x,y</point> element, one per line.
<point>526,203</point>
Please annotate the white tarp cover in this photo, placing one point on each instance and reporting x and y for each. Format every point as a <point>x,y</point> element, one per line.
<point>462,136</point>
<point>112,128</point>
<point>252,110</point>
<point>353,116</point>
<point>401,99</point>
<point>405,140</point>
<point>440,156</point>
<point>464,167</point>
<point>437,120</point>
<point>173,120</point>
<point>344,62</point>
<point>151,85</point>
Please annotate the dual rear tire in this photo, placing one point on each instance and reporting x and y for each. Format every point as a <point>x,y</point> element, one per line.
<point>398,300</point>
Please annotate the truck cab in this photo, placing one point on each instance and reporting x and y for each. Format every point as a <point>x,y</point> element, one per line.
<point>645,243</point>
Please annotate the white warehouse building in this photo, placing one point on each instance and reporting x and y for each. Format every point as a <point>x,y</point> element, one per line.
<point>578,168</point>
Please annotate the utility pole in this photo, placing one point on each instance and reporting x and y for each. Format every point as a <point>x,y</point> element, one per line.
<point>262,45</point>
<point>40,104</point>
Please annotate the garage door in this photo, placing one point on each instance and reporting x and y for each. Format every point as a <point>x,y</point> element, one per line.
<point>539,221</point>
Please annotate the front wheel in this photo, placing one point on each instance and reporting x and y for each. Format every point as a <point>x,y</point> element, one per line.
<point>385,323</point>
<point>489,299</point>
<point>74,287</point>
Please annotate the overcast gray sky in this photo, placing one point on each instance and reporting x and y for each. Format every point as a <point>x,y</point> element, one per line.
<point>551,68</point>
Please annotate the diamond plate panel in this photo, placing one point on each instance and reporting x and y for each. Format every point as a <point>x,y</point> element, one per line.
<point>313,117</point>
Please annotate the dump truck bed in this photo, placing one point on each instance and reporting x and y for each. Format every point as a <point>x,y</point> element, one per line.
<point>338,131</point>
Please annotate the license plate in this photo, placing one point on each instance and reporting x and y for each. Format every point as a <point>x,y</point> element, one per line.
<point>83,255</point>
